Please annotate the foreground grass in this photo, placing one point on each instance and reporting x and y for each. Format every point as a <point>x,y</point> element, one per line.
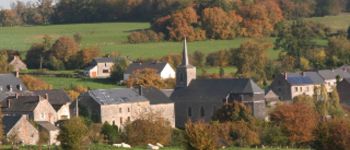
<point>63,82</point>
<point>110,37</point>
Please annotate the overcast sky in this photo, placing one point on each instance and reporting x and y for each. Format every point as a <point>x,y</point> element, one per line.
<point>7,3</point>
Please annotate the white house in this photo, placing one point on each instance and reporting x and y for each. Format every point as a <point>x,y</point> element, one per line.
<point>100,68</point>
<point>164,69</point>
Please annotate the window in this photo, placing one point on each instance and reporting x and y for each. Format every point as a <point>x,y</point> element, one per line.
<point>128,109</point>
<point>42,115</point>
<point>120,110</point>
<point>129,119</point>
<point>121,120</point>
<point>202,112</point>
<point>105,64</point>
<point>301,89</point>
<point>307,89</point>
<point>105,71</point>
<point>189,111</point>
<point>182,77</point>
<point>113,122</point>
<point>296,89</point>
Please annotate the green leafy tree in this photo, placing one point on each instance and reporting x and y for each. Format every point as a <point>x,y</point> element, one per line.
<point>5,67</point>
<point>110,132</point>
<point>295,39</point>
<point>234,111</point>
<point>72,134</point>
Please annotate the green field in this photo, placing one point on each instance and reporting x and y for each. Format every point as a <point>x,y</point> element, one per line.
<point>341,21</point>
<point>109,37</point>
<point>62,83</point>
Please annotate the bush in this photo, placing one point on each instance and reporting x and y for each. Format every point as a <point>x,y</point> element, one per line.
<point>148,129</point>
<point>145,36</point>
<point>73,133</point>
<point>200,136</point>
<point>33,83</point>
<point>111,133</point>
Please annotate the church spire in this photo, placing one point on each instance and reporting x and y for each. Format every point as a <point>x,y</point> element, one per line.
<point>185,54</point>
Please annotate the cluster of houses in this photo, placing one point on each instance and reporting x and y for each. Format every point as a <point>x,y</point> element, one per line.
<point>26,113</point>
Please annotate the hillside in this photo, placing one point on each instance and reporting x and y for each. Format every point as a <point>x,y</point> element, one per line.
<point>341,21</point>
<point>108,37</point>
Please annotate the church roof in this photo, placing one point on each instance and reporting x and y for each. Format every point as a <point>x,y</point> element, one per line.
<point>155,96</point>
<point>215,89</point>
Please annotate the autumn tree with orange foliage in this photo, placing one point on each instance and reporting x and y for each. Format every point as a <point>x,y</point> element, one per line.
<point>333,134</point>
<point>64,48</point>
<point>298,121</point>
<point>33,83</point>
<point>259,18</point>
<point>145,77</point>
<point>220,24</point>
<point>181,25</point>
<point>75,91</point>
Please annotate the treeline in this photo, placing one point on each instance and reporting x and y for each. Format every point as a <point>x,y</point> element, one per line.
<point>81,11</point>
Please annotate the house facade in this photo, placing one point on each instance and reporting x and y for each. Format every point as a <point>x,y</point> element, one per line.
<point>289,85</point>
<point>100,68</point>
<point>118,106</point>
<point>59,100</point>
<point>18,129</point>
<point>198,99</point>
<point>37,108</point>
<point>51,130</point>
<point>331,77</point>
<point>163,69</point>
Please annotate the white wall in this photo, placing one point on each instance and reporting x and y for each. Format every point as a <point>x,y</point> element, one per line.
<point>168,72</point>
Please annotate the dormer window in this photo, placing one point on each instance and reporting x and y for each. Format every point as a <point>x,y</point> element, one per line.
<point>19,87</point>
<point>9,87</point>
<point>1,89</point>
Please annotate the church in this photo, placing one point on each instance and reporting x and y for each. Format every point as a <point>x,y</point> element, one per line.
<point>198,99</point>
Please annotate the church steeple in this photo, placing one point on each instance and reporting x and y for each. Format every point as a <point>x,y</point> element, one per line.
<point>185,73</point>
<point>184,54</point>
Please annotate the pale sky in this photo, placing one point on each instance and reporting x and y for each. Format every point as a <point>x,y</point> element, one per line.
<point>7,3</point>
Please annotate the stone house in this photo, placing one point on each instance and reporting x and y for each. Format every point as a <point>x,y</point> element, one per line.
<point>198,99</point>
<point>19,129</point>
<point>37,108</point>
<point>17,64</point>
<point>100,68</point>
<point>59,100</point>
<point>51,130</point>
<point>289,85</point>
<point>118,106</point>
<point>271,98</point>
<point>10,85</point>
<point>343,89</point>
<point>115,106</point>
<point>164,70</point>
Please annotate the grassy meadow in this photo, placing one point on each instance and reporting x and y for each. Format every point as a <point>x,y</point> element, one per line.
<point>109,37</point>
<point>64,82</point>
<point>339,22</point>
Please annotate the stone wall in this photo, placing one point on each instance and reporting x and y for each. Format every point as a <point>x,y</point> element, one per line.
<point>24,132</point>
<point>64,112</point>
<point>166,110</point>
<point>45,112</point>
<point>104,66</point>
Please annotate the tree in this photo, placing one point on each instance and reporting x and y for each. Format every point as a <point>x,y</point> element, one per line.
<point>33,83</point>
<point>198,59</point>
<point>200,136</point>
<point>72,134</point>
<point>64,49</point>
<point>149,128</point>
<point>120,65</point>
<point>220,24</point>
<point>274,136</point>
<point>349,32</point>
<point>333,134</point>
<point>5,67</point>
<point>9,18</point>
<point>84,57</point>
<point>329,7</point>
<point>338,51</point>
<point>220,58</point>
<point>298,121</point>
<point>173,59</point>
<point>110,132</point>
<point>234,111</point>
<point>45,9</point>
<point>251,59</point>
<point>295,39</point>
<point>145,77</point>
<point>1,127</point>
<point>293,9</point>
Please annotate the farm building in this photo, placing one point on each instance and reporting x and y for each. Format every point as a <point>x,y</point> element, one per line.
<point>100,68</point>
<point>163,69</point>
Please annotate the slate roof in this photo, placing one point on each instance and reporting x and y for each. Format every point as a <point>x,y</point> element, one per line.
<point>7,80</point>
<point>104,60</point>
<point>154,95</point>
<point>215,89</point>
<point>342,73</point>
<point>115,96</point>
<point>21,104</point>
<point>9,121</point>
<point>47,125</point>
<point>158,66</point>
<point>57,97</point>
<point>299,78</point>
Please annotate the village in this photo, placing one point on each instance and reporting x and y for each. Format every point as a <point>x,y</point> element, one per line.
<point>27,113</point>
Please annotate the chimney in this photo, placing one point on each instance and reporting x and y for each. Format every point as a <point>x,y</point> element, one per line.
<point>8,103</point>
<point>140,90</point>
<point>46,96</point>
<point>302,73</point>
<point>17,74</point>
<point>285,74</point>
